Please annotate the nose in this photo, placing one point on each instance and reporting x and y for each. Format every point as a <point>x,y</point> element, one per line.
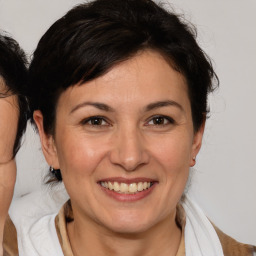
<point>129,149</point>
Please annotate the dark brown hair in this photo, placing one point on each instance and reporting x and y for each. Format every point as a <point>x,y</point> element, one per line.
<point>93,37</point>
<point>13,71</point>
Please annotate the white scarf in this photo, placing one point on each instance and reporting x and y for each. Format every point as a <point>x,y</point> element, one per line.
<point>201,238</point>
<point>34,220</point>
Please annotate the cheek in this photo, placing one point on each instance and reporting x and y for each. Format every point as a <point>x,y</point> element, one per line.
<point>78,155</point>
<point>174,152</point>
<point>9,115</point>
<point>173,155</point>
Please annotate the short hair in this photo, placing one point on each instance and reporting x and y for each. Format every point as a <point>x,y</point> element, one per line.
<point>93,37</point>
<point>14,74</point>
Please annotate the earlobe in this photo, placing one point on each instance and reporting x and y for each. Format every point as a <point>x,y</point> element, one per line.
<point>47,141</point>
<point>197,142</point>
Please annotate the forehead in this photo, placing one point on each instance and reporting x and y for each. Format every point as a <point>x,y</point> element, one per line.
<point>145,77</point>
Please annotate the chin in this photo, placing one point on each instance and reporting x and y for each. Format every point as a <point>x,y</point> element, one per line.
<point>128,228</point>
<point>129,224</point>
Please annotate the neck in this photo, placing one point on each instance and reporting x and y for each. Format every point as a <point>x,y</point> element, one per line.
<point>1,247</point>
<point>1,235</point>
<point>7,181</point>
<point>88,238</point>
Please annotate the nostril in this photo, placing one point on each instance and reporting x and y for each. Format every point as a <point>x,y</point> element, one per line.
<point>128,161</point>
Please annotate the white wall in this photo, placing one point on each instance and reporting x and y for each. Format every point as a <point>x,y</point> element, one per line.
<point>224,181</point>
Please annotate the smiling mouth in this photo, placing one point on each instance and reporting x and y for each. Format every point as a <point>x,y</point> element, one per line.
<point>124,188</point>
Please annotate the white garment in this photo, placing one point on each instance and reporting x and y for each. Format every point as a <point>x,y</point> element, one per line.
<point>201,238</point>
<point>35,223</point>
<point>34,218</point>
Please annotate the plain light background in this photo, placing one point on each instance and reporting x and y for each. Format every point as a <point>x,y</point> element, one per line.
<point>224,178</point>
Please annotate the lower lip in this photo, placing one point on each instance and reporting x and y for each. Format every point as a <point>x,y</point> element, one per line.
<point>128,197</point>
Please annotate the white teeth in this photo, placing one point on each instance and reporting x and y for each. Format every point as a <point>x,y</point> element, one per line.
<point>116,186</point>
<point>126,188</point>
<point>140,186</point>
<point>133,188</point>
<point>110,186</point>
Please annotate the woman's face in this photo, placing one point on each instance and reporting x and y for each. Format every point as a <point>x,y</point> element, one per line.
<point>9,115</point>
<point>124,143</point>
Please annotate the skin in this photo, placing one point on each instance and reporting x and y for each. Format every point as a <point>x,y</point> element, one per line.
<point>8,128</point>
<point>128,143</point>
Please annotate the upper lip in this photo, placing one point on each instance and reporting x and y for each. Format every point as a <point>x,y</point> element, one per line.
<point>126,180</point>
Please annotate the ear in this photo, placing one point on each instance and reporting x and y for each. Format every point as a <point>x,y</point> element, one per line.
<point>197,142</point>
<point>47,141</point>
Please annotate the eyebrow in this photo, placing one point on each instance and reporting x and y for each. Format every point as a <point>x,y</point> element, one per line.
<point>165,103</point>
<point>149,107</point>
<point>97,105</point>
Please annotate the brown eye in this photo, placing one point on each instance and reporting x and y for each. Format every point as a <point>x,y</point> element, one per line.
<point>160,120</point>
<point>95,121</point>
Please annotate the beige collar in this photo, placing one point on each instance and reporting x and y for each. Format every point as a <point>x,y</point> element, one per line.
<point>66,215</point>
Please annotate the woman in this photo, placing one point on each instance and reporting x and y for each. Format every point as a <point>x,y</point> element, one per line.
<point>118,91</point>
<point>13,108</point>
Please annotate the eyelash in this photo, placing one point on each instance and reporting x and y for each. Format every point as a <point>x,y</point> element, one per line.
<point>94,118</point>
<point>152,118</point>
<point>164,118</point>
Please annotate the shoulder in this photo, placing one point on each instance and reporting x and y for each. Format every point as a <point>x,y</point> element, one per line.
<point>33,216</point>
<point>233,248</point>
